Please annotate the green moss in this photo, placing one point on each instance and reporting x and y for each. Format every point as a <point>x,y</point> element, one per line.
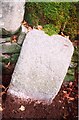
<point>69,78</point>
<point>50,29</point>
<point>14,58</point>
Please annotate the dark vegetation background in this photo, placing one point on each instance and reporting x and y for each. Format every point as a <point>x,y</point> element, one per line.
<point>54,16</point>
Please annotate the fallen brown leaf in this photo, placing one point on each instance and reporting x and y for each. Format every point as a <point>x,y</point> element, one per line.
<point>71,98</point>
<point>7,65</point>
<point>1,86</point>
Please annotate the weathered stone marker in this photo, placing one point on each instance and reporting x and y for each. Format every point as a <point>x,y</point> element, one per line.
<point>41,67</point>
<point>11,14</point>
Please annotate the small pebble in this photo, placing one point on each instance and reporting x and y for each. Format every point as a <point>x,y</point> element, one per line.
<point>62,107</point>
<point>1,109</point>
<point>60,101</point>
<point>22,108</point>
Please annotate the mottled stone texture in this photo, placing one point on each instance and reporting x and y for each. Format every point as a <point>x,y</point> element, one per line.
<point>11,14</point>
<point>41,67</point>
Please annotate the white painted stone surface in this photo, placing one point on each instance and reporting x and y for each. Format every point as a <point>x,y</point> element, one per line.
<point>41,67</point>
<point>12,12</point>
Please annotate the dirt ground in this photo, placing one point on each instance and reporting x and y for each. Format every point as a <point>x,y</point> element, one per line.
<point>63,107</point>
